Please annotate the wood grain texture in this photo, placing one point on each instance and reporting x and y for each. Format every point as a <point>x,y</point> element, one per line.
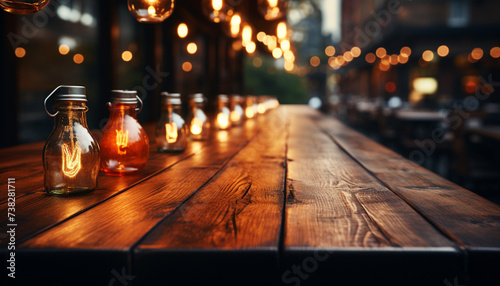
<point>232,224</point>
<point>468,219</point>
<point>334,205</point>
<point>114,225</point>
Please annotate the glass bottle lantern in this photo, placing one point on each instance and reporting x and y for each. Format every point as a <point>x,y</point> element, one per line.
<point>199,125</point>
<point>124,144</point>
<point>151,11</point>
<point>71,154</point>
<point>237,113</point>
<point>23,7</point>
<point>171,130</point>
<point>223,119</point>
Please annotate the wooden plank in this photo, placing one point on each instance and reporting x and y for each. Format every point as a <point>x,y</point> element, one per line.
<point>341,220</point>
<point>114,225</point>
<point>229,227</point>
<point>465,217</point>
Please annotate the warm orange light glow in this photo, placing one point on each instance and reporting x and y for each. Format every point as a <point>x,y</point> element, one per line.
<point>272,3</point>
<point>63,49</point>
<point>121,141</point>
<point>393,60</point>
<point>330,51</point>
<point>495,52</point>
<point>390,87</point>
<point>277,53</point>
<point>340,60</point>
<point>381,52</point>
<point>251,47</point>
<point>370,58</point>
<point>235,25</point>
<point>187,66</point>
<point>249,112</point>
<point>384,65</point>
<point>348,56</point>
<point>192,48</point>
<point>289,66</point>
<point>261,108</point>
<point>428,56</point>
<point>78,58</point>
<point>182,30</point>
<point>20,52</point>
<point>235,116</point>
<point>405,51</point>
<point>261,36</point>
<point>257,62</point>
<point>71,160</point>
<point>314,61</point>
<point>196,126</point>
<point>151,10</point>
<point>127,56</point>
<point>246,35</point>
<point>443,51</point>
<point>285,45</point>
<point>356,52</point>
<point>171,132</point>
<point>217,5</point>
<point>281,30</point>
<point>289,56</point>
<point>222,120</point>
<point>477,54</point>
<point>402,59</point>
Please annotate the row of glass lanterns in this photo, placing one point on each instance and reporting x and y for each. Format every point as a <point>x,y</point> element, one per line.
<point>72,157</point>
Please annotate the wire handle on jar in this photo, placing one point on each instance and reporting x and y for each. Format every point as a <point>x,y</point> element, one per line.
<point>142,104</point>
<point>45,103</point>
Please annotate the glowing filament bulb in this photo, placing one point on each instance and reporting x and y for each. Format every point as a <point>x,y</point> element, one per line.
<point>222,120</point>
<point>246,35</point>
<point>261,108</point>
<point>217,4</point>
<point>71,160</point>
<point>121,141</point>
<point>235,116</point>
<point>151,10</point>
<point>196,126</point>
<point>171,132</point>
<point>249,112</point>
<point>272,3</point>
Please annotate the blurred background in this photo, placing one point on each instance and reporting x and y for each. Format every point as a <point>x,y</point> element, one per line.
<point>421,77</point>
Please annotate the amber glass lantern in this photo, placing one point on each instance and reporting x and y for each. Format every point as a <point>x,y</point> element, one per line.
<point>223,118</point>
<point>23,6</point>
<point>171,130</point>
<point>237,112</point>
<point>71,154</point>
<point>124,144</point>
<point>199,124</point>
<point>151,11</point>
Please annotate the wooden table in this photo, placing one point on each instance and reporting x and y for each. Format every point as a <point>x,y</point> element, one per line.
<point>292,198</point>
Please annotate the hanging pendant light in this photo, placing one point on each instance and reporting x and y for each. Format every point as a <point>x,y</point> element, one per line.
<point>23,6</point>
<point>272,9</point>
<point>217,10</point>
<point>151,11</point>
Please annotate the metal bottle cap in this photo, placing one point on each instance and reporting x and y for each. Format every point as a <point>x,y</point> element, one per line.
<point>197,97</point>
<point>66,93</point>
<point>172,98</point>
<point>126,97</point>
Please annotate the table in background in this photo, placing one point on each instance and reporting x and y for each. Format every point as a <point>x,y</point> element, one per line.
<point>291,197</point>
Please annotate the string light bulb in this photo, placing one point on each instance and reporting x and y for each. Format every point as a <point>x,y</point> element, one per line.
<point>272,9</point>
<point>217,10</point>
<point>151,11</point>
